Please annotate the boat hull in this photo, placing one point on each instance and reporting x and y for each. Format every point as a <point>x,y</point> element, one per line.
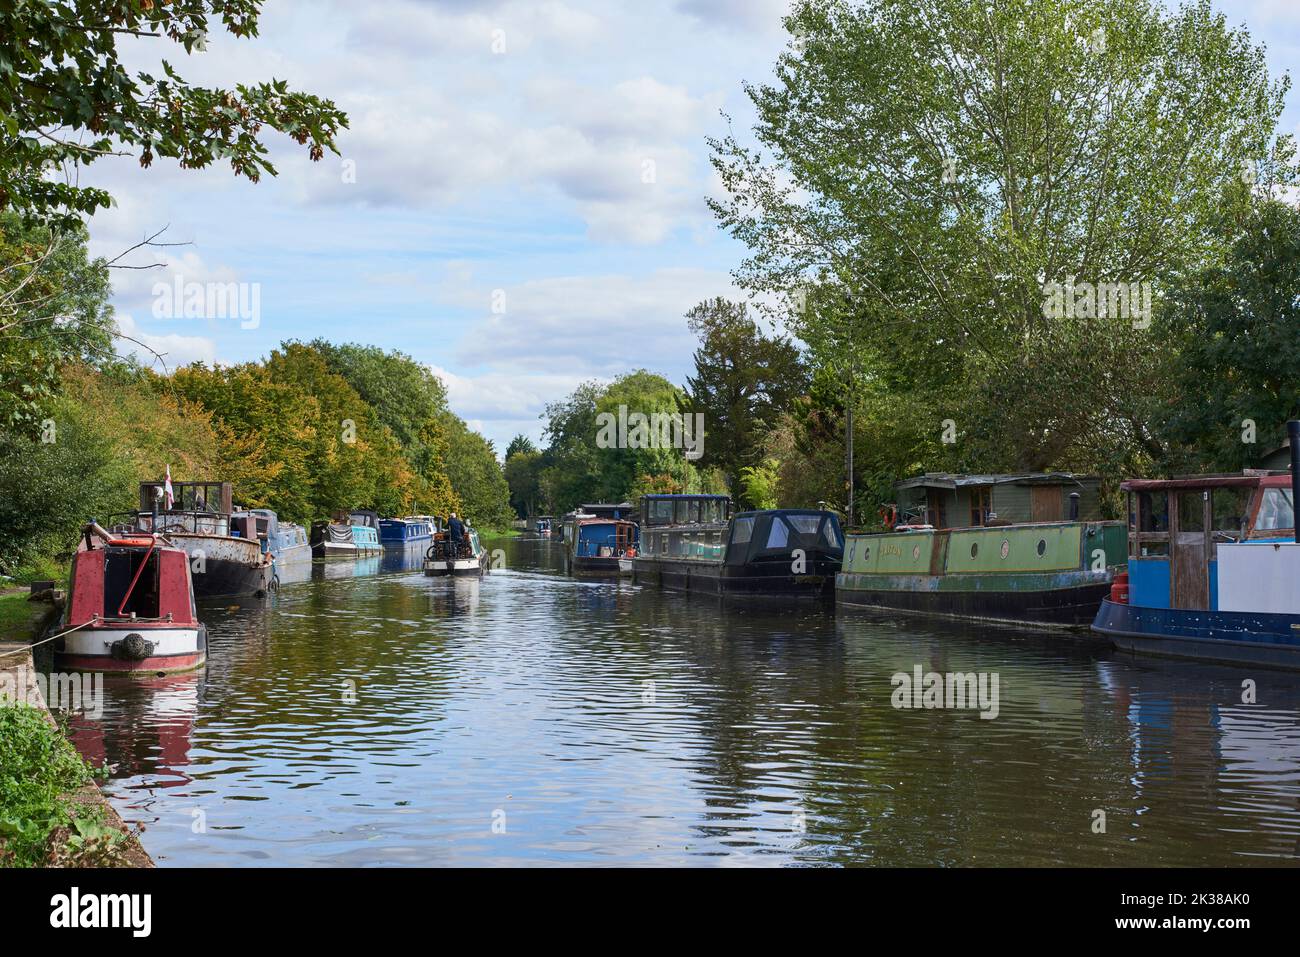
<point>585,566</point>
<point>716,578</point>
<point>173,649</point>
<point>1226,637</point>
<point>456,567</point>
<point>1062,600</point>
<point>225,567</point>
<point>343,550</point>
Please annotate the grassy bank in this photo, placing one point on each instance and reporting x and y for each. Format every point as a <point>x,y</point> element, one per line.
<point>15,613</point>
<point>41,822</point>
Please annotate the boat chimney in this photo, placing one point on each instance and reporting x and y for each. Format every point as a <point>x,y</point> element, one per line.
<point>1293,439</point>
<point>1074,506</point>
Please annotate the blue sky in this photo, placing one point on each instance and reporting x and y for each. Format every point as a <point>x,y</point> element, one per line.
<point>500,226</point>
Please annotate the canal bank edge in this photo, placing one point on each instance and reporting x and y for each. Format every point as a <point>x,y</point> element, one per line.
<point>16,664</point>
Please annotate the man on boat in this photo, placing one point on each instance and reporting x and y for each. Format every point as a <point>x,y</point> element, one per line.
<point>456,533</point>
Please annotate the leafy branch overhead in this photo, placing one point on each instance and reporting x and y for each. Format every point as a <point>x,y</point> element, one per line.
<point>66,99</point>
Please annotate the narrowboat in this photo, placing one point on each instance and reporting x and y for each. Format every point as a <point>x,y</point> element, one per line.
<point>226,557</point>
<point>1021,560</point>
<point>543,525</point>
<point>1213,570</point>
<point>286,541</point>
<point>470,559</point>
<point>693,543</point>
<point>594,546</point>
<point>130,606</point>
<point>411,530</point>
<point>349,535</point>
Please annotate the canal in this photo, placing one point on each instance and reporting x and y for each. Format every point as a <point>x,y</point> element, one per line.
<point>383,718</point>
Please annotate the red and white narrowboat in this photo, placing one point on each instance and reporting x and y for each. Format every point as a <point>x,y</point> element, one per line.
<point>130,607</point>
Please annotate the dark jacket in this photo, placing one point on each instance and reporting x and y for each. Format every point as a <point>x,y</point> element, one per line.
<point>457,529</point>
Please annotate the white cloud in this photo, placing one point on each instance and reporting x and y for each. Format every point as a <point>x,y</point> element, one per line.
<point>176,350</point>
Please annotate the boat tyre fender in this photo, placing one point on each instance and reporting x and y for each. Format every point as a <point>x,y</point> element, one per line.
<point>131,648</point>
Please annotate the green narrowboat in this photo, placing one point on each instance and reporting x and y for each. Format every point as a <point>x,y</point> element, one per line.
<point>1051,573</point>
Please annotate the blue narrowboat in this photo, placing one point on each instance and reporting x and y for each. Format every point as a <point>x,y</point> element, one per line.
<point>349,535</point>
<point>593,545</point>
<point>1213,571</point>
<point>400,532</point>
<point>694,543</point>
<point>286,542</point>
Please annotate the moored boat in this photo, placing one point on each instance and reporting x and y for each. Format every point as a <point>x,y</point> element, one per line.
<point>1035,551</point>
<point>595,546</point>
<point>348,535</point>
<point>693,543</point>
<point>410,530</point>
<point>1213,570</point>
<point>470,559</point>
<point>286,541</point>
<point>226,557</point>
<point>130,606</point>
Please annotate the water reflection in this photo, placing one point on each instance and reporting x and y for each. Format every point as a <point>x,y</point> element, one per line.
<point>393,719</point>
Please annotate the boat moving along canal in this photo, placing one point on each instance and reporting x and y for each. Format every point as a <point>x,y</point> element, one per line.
<point>693,543</point>
<point>443,558</point>
<point>1213,569</point>
<point>130,607</point>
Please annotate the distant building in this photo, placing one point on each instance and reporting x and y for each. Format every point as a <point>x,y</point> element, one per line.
<point>962,501</point>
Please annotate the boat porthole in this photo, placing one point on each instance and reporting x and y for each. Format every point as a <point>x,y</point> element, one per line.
<point>1006,548</point>
<point>974,549</point>
<point>1042,547</point>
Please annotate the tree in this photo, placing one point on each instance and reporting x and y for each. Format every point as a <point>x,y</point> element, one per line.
<point>743,381</point>
<point>523,472</point>
<point>66,99</point>
<point>476,477</point>
<point>925,170</point>
<point>411,402</point>
<point>520,443</point>
<point>1236,328</point>
<point>53,311</point>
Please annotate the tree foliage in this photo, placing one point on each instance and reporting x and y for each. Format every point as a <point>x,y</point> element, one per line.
<point>66,99</point>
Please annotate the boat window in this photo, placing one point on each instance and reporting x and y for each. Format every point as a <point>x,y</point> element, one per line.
<point>831,534</point>
<point>1154,510</point>
<point>679,512</point>
<point>1275,510</point>
<point>661,511</point>
<point>1230,509</point>
<point>804,524</point>
<point>743,530</point>
<point>1191,511</point>
<point>779,536</point>
<point>693,513</point>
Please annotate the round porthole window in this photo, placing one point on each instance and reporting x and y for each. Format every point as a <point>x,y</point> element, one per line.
<point>1042,547</point>
<point>1006,548</point>
<point>974,549</point>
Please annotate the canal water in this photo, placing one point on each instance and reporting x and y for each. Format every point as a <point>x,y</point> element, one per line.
<point>371,716</point>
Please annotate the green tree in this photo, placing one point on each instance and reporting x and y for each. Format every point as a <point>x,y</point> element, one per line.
<point>520,443</point>
<point>743,382</point>
<point>523,473</point>
<point>1237,331</point>
<point>53,310</point>
<point>476,477</point>
<point>942,162</point>
<point>66,99</point>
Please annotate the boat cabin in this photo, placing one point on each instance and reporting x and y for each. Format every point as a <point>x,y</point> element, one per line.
<point>603,537</point>
<point>944,500</point>
<point>131,578</point>
<point>608,509</point>
<point>198,508</point>
<point>1179,529</point>
<point>684,510</point>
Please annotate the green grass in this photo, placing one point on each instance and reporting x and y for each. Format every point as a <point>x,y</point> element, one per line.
<point>41,569</point>
<point>39,768</point>
<point>15,616</point>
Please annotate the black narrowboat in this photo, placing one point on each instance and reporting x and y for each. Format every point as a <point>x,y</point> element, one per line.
<point>693,543</point>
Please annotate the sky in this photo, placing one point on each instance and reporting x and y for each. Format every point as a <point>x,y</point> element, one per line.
<point>520,199</point>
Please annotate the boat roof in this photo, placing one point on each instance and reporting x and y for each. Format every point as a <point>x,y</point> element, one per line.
<point>674,495</point>
<point>784,511</point>
<point>1247,479</point>
<point>950,480</point>
<point>602,520</point>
